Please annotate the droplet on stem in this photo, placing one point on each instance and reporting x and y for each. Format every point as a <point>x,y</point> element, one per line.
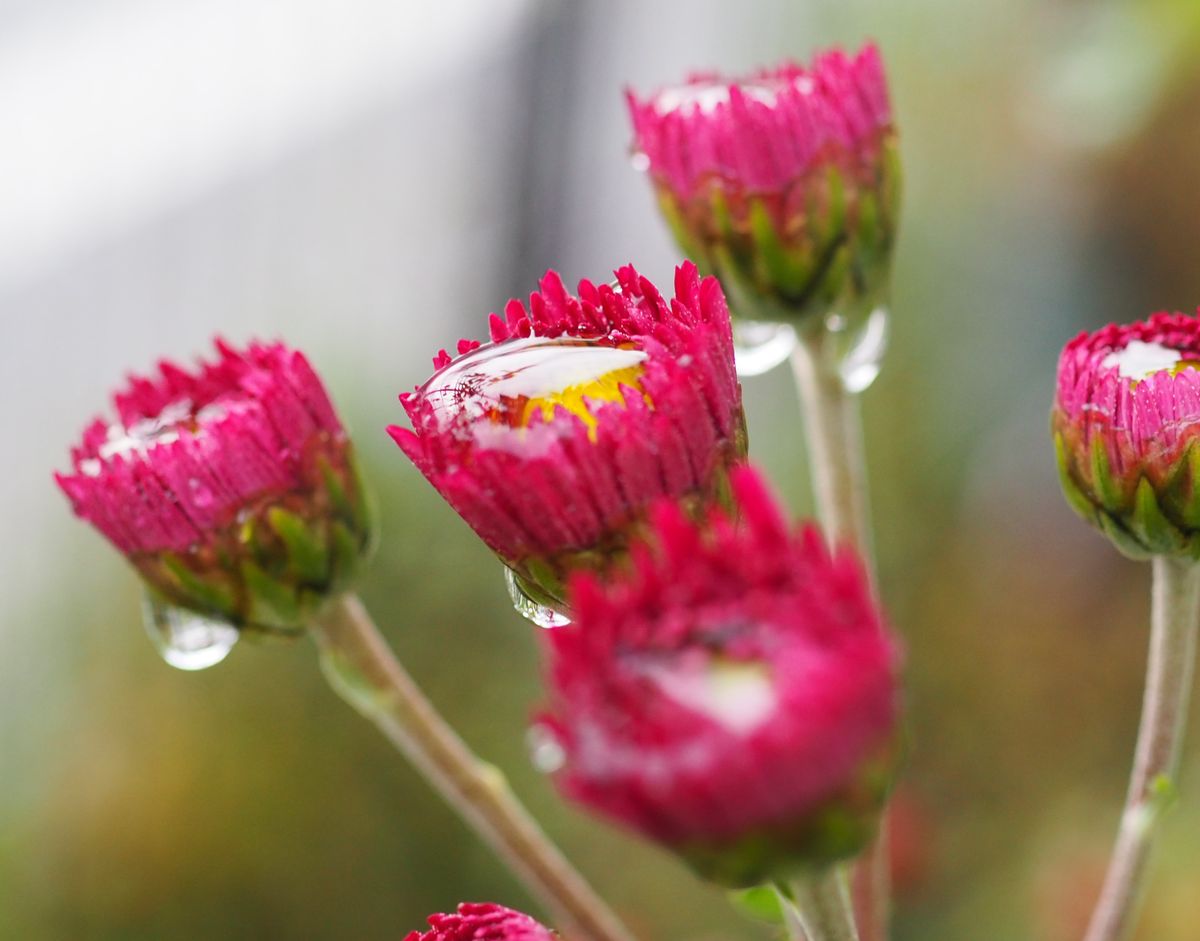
<point>861,363</point>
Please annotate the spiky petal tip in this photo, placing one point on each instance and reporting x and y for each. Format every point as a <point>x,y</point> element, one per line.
<point>784,182</point>
<point>734,697</point>
<point>553,440</point>
<point>483,921</point>
<point>1126,421</point>
<point>232,487</point>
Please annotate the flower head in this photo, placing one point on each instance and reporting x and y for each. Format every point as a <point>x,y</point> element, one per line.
<point>733,698</point>
<point>552,440</point>
<point>785,182</point>
<point>483,921</point>
<point>1126,423</point>
<point>232,488</point>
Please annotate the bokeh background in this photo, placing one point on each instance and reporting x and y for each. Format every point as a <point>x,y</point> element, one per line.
<point>368,180</point>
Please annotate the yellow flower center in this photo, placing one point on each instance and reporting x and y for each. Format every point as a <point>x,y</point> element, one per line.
<point>581,398</point>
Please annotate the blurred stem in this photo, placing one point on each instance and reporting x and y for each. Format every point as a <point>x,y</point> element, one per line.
<point>791,918</point>
<point>363,671</point>
<point>833,431</point>
<point>1175,607</point>
<point>817,908</point>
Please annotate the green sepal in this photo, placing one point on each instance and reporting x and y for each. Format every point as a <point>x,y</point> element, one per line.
<point>1181,498</point>
<point>721,216</point>
<point>365,514</point>
<point>270,601</point>
<point>782,853</point>
<point>841,828</point>
<point>835,215</point>
<point>1077,499</point>
<point>307,555</point>
<point>867,230</point>
<point>1126,543</point>
<point>1151,526</point>
<point>691,246</point>
<point>338,497</point>
<point>787,270</point>
<point>1107,488</point>
<point>347,554</point>
<point>208,595</point>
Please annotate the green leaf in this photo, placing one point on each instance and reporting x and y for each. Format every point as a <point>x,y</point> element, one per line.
<point>761,903</point>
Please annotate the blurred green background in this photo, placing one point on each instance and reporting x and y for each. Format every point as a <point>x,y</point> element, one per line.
<point>368,180</point>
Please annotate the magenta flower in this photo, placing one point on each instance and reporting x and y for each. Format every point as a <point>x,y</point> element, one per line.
<point>231,488</point>
<point>734,698</point>
<point>483,921</point>
<point>785,182</point>
<point>552,440</point>
<point>1126,422</point>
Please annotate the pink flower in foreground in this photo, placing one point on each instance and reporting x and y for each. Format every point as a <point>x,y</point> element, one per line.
<point>483,921</point>
<point>1126,423</point>
<point>784,182</point>
<point>552,440</point>
<point>232,488</point>
<point>734,697</point>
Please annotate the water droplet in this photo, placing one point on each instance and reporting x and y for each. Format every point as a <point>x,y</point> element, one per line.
<point>184,639</point>
<point>861,363</point>
<point>534,611</point>
<point>499,388</point>
<point>546,753</point>
<point>759,346</point>
<point>641,163</point>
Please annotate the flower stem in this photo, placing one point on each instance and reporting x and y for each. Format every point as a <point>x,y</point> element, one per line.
<point>363,671</point>
<point>817,908</point>
<point>1175,606</point>
<point>833,431</point>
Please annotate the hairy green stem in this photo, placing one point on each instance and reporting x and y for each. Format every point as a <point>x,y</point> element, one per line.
<point>833,432</point>
<point>363,670</point>
<point>1174,611</point>
<point>817,908</point>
